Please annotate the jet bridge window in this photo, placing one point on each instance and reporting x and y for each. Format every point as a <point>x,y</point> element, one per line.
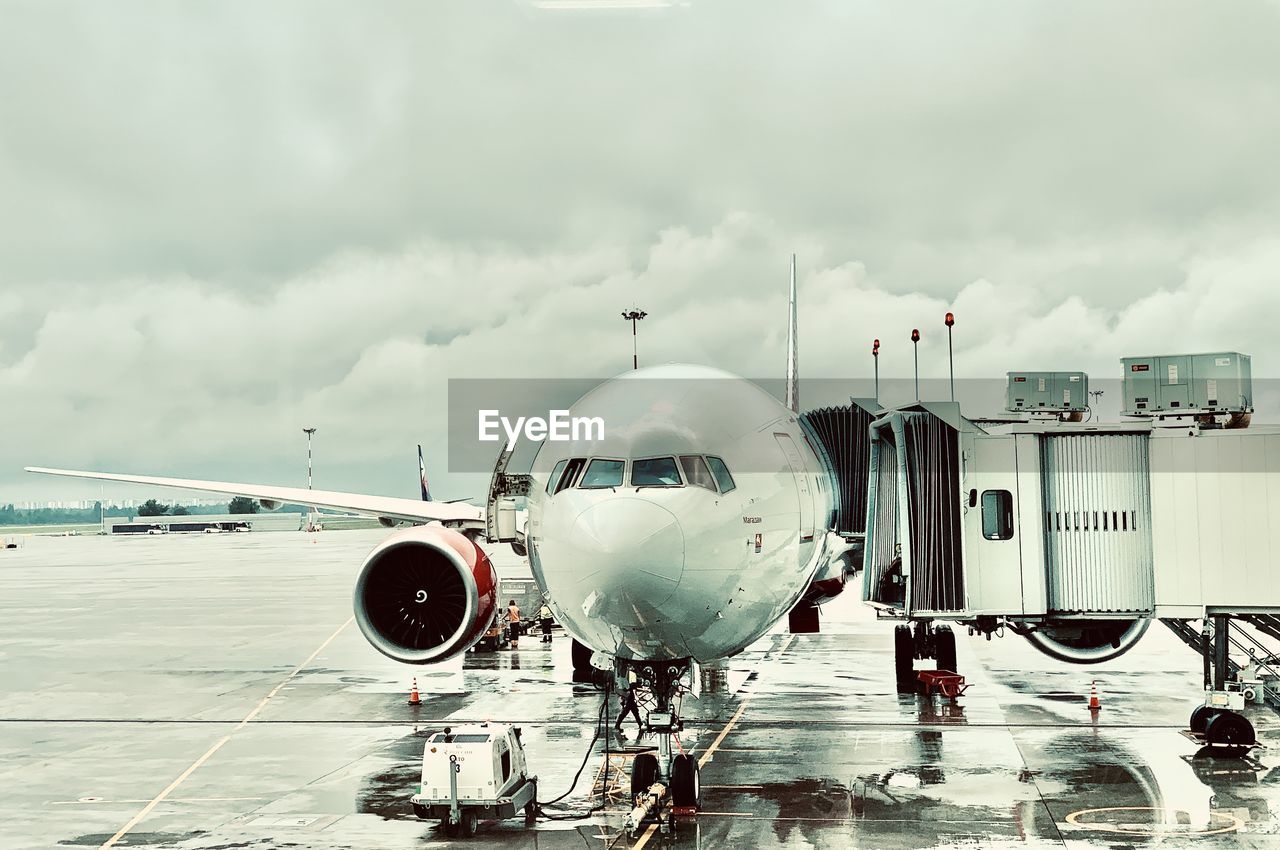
<point>721,472</point>
<point>571,470</point>
<point>696,472</point>
<point>655,472</point>
<point>997,515</point>
<point>602,473</point>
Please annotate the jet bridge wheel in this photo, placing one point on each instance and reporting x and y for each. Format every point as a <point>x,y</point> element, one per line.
<point>1229,729</point>
<point>904,653</point>
<point>944,648</point>
<point>1200,718</point>
<point>644,772</point>
<point>686,784</point>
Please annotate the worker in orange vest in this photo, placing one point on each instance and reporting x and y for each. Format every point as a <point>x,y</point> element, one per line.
<point>513,623</point>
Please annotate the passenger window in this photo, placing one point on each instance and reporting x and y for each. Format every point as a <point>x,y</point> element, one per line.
<point>721,472</point>
<point>571,470</point>
<point>655,472</point>
<point>696,472</point>
<point>602,473</point>
<point>555,474</point>
<point>997,515</point>
<point>506,765</point>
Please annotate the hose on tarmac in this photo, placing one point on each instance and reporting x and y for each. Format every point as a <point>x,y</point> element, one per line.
<point>602,726</point>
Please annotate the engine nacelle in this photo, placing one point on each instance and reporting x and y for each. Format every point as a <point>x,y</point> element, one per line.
<point>1087,641</point>
<point>425,594</point>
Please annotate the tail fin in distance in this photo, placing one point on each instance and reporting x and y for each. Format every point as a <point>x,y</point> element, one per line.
<point>422,476</point>
<point>793,346</point>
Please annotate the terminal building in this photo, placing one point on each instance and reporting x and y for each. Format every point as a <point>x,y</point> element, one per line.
<point>200,523</point>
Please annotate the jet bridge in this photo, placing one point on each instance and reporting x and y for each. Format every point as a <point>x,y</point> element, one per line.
<point>1040,520</point>
<point>1074,535</point>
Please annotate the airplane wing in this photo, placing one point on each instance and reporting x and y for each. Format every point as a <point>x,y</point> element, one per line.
<point>390,507</point>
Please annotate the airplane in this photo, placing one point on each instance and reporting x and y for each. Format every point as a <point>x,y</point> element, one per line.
<point>701,518</point>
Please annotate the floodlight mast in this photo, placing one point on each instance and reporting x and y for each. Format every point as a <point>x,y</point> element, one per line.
<point>634,315</point>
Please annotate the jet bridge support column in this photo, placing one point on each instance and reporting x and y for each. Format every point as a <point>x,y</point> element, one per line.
<point>1221,623</point>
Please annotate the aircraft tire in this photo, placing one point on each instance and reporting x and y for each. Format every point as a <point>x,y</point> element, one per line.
<point>644,772</point>
<point>581,656</point>
<point>686,784</point>
<point>944,648</point>
<point>904,654</point>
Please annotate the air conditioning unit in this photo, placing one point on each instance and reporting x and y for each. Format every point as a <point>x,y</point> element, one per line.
<point>1188,383</point>
<point>1047,391</point>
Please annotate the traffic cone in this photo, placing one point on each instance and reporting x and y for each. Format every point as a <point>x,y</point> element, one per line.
<point>1095,704</point>
<point>414,699</point>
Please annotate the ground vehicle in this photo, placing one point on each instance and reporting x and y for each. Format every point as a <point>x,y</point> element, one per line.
<point>496,637</point>
<point>474,772</point>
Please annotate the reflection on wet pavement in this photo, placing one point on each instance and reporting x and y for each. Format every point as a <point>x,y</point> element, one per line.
<point>126,660</point>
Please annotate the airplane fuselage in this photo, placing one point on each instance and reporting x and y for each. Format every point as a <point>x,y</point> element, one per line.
<point>690,529</point>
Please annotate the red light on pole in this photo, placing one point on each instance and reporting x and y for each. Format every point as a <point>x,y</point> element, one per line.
<point>951,359</point>
<point>875,358</point>
<point>915,352</point>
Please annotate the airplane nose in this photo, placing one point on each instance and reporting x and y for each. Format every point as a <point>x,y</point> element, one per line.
<point>631,542</point>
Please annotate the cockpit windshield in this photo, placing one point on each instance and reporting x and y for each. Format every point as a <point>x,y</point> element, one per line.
<point>603,473</point>
<point>696,472</point>
<point>655,472</point>
<point>721,472</point>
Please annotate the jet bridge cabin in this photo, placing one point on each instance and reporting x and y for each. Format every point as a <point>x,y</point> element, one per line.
<point>1074,535</point>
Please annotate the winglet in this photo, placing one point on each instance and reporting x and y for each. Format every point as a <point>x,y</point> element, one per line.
<point>422,476</point>
<point>793,378</point>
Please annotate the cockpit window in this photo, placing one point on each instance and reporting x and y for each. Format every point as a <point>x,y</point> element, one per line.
<point>696,472</point>
<point>603,473</point>
<point>655,472</point>
<point>555,474</point>
<point>721,472</point>
<point>571,470</point>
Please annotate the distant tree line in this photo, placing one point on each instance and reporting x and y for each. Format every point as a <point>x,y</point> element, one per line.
<point>9,515</point>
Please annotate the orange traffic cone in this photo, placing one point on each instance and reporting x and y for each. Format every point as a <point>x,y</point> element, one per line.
<point>1095,704</point>
<point>414,699</point>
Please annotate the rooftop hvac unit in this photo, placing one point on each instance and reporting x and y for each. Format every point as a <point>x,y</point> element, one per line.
<point>1188,383</point>
<point>1047,391</point>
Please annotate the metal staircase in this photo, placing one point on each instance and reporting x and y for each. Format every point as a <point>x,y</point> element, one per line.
<point>1250,653</point>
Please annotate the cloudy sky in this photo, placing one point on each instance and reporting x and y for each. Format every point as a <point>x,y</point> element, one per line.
<point>222,221</point>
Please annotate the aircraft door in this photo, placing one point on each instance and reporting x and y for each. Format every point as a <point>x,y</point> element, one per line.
<point>804,487</point>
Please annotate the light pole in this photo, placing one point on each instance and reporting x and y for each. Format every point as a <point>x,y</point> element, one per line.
<point>308,432</point>
<point>915,353</point>
<point>875,358</point>
<point>634,315</point>
<point>951,362</point>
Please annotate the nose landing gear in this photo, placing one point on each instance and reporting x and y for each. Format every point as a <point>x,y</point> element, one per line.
<point>661,783</point>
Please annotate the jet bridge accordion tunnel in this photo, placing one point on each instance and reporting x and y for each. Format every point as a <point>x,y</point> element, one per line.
<point>1044,531</point>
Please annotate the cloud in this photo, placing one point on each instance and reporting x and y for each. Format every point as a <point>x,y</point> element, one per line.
<point>182,377</point>
<point>220,222</point>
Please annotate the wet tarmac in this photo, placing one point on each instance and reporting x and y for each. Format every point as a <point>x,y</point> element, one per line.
<point>210,692</point>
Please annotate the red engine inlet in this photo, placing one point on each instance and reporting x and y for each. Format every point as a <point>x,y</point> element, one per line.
<point>425,594</point>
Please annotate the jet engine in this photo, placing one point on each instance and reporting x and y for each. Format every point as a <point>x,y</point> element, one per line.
<point>425,594</point>
<point>1086,641</point>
